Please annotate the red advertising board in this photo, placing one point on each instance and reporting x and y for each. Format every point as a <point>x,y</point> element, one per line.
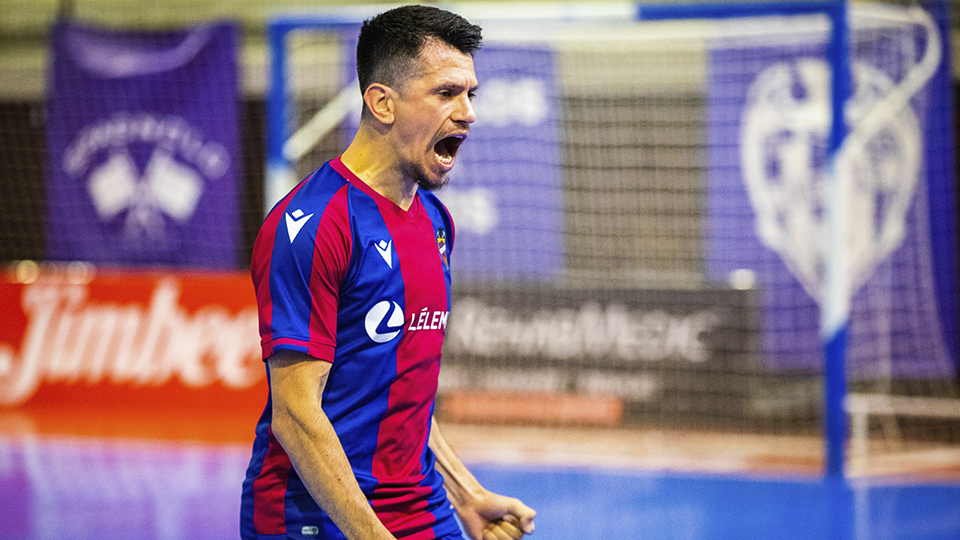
<point>170,352</point>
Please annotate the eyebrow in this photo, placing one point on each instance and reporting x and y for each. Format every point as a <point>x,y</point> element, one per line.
<point>456,85</point>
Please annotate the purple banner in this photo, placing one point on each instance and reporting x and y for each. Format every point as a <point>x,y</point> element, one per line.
<point>768,173</point>
<point>143,147</point>
<point>790,316</point>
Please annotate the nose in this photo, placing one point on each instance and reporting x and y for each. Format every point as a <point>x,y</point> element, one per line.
<point>465,112</point>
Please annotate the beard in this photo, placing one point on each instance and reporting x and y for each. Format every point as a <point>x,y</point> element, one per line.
<point>423,180</point>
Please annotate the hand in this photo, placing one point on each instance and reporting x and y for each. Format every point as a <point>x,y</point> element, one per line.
<point>495,517</point>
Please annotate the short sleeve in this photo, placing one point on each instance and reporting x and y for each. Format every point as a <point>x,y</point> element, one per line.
<point>300,259</point>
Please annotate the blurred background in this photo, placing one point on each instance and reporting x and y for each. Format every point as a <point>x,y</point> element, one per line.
<point>25,62</point>
<point>673,221</point>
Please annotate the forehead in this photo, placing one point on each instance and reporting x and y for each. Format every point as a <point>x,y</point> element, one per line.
<point>439,63</point>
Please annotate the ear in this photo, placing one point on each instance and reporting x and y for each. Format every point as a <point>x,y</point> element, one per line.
<point>379,99</point>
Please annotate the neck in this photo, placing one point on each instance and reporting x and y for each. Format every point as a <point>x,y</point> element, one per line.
<point>371,158</point>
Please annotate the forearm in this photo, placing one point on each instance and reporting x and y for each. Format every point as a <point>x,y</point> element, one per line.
<point>462,487</point>
<point>483,514</point>
<point>307,436</point>
<point>318,457</point>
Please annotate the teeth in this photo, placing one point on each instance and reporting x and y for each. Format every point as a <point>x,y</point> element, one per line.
<point>445,160</point>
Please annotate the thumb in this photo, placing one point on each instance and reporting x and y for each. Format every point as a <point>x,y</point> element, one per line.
<point>525,515</point>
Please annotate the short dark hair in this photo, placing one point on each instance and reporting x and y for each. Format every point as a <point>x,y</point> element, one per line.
<point>389,41</point>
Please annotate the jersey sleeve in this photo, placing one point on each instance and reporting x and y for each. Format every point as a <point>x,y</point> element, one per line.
<point>301,257</point>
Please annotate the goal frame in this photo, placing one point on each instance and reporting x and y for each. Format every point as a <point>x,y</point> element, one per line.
<point>835,309</point>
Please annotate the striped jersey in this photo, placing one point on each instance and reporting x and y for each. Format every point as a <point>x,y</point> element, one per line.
<point>346,276</point>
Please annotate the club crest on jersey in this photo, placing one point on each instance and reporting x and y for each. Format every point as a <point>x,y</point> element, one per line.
<point>442,245</point>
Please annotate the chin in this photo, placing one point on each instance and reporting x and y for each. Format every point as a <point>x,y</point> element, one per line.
<point>428,184</point>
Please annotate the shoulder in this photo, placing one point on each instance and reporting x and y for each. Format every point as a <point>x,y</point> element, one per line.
<point>294,222</point>
<point>318,190</point>
<point>322,195</point>
<point>434,207</point>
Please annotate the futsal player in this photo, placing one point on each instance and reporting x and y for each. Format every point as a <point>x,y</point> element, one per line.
<point>352,276</point>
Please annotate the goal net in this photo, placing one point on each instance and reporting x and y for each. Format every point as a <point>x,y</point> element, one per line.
<point>649,212</point>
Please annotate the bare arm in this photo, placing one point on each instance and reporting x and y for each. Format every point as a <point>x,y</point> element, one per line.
<point>305,432</point>
<point>485,515</point>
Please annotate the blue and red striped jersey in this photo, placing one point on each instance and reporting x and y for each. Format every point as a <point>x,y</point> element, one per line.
<point>348,277</point>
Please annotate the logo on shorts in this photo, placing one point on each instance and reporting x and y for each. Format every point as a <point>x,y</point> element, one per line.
<point>384,321</point>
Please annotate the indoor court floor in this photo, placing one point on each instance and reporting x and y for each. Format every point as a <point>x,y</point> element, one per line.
<point>103,484</point>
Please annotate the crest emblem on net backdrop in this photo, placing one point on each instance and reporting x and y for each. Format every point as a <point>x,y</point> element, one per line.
<point>784,130</point>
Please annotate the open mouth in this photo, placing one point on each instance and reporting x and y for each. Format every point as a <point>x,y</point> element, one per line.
<point>446,149</point>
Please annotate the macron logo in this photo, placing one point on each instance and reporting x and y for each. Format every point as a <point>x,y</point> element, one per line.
<point>295,222</point>
<point>384,249</point>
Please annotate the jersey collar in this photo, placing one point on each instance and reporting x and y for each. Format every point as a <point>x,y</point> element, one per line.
<point>383,203</point>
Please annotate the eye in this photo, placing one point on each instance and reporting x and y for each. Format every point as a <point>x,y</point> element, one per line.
<point>471,94</point>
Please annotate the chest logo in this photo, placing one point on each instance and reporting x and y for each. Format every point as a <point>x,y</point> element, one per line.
<point>384,321</point>
<point>384,248</point>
